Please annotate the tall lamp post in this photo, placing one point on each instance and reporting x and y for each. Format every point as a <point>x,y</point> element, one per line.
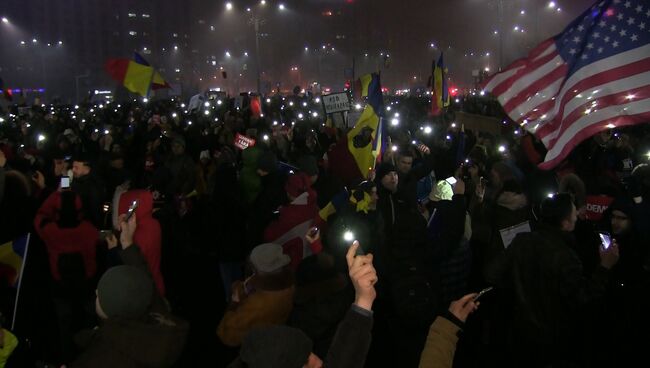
<point>257,21</point>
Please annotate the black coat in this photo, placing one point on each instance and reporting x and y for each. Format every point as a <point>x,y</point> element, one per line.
<point>545,288</point>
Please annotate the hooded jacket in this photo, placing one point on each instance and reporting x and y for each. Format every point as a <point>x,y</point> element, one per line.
<point>147,235</point>
<point>81,239</point>
<point>155,342</point>
<point>290,228</point>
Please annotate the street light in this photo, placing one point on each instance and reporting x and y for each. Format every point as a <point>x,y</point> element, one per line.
<point>281,7</point>
<point>5,20</point>
<point>229,6</point>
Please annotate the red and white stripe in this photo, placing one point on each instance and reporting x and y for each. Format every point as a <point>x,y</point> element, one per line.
<point>561,111</point>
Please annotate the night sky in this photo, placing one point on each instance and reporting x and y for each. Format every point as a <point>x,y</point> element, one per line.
<point>309,40</point>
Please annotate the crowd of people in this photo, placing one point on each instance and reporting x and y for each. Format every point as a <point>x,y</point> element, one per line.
<point>159,240</point>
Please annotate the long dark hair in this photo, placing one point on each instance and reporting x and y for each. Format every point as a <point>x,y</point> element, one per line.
<point>68,214</point>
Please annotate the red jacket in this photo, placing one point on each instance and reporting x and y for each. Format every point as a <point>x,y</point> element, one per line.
<point>290,228</point>
<point>81,239</point>
<point>147,235</point>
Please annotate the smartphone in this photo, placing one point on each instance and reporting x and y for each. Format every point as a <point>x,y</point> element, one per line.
<point>605,239</point>
<point>103,234</point>
<point>451,180</point>
<point>480,294</point>
<point>313,231</point>
<point>65,182</point>
<point>131,210</point>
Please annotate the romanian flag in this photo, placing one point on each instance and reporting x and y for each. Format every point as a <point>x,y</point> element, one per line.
<point>12,259</point>
<point>440,95</point>
<point>158,82</point>
<point>135,77</point>
<point>354,156</point>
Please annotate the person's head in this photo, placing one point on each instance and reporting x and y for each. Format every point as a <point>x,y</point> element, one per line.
<point>124,292</point>
<point>278,347</point>
<point>500,173</point>
<point>80,167</point>
<point>59,166</point>
<point>571,183</point>
<point>641,174</point>
<point>405,162</point>
<point>559,212</point>
<point>178,146</point>
<point>621,215</point>
<point>268,258</point>
<point>309,166</point>
<point>117,161</point>
<point>387,177</point>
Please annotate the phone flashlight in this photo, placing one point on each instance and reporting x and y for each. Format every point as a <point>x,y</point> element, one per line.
<point>65,182</point>
<point>451,180</point>
<point>605,239</point>
<point>348,236</point>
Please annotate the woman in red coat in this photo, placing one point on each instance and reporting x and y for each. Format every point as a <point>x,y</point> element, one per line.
<point>147,235</point>
<point>59,223</point>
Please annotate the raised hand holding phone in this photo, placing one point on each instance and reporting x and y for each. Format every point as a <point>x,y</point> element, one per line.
<point>127,229</point>
<point>462,307</point>
<point>609,256</point>
<point>363,276</point>
<point>313,234</point>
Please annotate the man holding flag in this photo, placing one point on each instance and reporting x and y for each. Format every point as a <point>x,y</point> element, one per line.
<point>592,77</point>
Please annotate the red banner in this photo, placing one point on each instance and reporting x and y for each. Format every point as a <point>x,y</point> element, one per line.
<point>242,142</point>
<point>596,206</point>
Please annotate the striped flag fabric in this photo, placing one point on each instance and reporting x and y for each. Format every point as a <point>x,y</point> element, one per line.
<point>593,76</point>
<point>354,156</point>
<point>135,77</point>
<point>440,91</point>
<point>157,82</point>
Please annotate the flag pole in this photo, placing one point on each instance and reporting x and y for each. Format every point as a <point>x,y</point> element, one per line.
<point>20,281</point>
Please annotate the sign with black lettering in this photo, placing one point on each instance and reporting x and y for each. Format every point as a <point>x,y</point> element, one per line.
<point>336,102</point>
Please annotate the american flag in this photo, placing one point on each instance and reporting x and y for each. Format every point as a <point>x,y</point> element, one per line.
<point>593,76</point>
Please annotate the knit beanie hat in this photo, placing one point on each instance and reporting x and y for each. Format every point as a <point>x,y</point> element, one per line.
<point>276,347</point>
<point>125,291</point>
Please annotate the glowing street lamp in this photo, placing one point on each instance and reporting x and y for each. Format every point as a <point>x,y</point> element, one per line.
<point>229,6</point>
<point>281,7</point>
<point>551,4</point>
<point>5,20</point>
